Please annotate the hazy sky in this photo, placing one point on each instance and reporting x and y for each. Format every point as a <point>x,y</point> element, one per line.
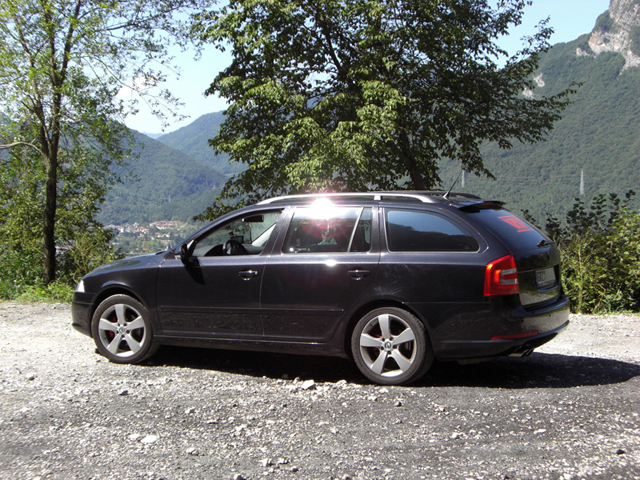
<point>569,19</point>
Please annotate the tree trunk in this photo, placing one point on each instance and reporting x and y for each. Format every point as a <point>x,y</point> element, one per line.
<point>410,163</point>
<point>414,173</point>
<point>51,202</point>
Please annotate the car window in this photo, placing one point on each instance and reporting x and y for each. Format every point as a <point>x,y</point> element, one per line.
<point>329,229</point>
<point>251,231</point>
<point>415,231</point>
<point>361,241</point>
<point>515,232</point>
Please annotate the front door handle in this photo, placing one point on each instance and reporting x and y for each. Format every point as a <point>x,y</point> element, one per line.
<point>358,274</point>
<point>247,274</point>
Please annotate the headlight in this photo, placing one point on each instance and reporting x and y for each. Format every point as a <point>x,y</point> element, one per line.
<point>80,287</point>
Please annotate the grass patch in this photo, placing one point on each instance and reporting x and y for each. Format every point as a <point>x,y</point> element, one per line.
<point>56,292</point>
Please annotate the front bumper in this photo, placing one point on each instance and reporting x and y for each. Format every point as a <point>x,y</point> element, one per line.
<point>81,317</point>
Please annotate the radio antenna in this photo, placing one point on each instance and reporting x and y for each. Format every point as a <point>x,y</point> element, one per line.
<point>446,195</point>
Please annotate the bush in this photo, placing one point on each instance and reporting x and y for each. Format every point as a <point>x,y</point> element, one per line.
<point>55,292</point>
<point>88,249</point>
<point>21,279</point>
<point>601,254</point>
<point>21,272</point>
<point>19,266</point>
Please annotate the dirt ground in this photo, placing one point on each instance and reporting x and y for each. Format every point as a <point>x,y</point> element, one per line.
<point>569,411</point>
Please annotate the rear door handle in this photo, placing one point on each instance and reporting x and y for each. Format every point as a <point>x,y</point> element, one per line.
<point>247,274</point>
<point>358,274</point>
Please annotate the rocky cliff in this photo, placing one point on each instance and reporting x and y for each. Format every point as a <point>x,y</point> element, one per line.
<point>618,30</point>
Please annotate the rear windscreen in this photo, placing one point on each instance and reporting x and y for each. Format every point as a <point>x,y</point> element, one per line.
<point>516,233</point>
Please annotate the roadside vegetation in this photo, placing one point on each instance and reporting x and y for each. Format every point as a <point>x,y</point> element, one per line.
<point>64,66</point>
<point>600,244</point>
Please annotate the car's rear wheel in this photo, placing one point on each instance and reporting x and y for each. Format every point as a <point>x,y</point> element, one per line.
<point>391,347</point>
<point>122,330</point>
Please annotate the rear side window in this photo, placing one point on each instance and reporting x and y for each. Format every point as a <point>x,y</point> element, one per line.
<point>516,233</point>
<point>330,229</point>
<point>415,231</point>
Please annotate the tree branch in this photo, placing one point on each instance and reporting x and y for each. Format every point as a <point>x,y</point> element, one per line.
<point>8,146</point>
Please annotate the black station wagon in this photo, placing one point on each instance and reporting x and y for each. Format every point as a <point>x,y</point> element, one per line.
<point>392,280</point>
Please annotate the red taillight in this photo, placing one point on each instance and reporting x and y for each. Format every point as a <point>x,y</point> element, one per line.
<point>501,277</point>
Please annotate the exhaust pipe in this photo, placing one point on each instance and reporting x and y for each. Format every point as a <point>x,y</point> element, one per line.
<point>522,353</point>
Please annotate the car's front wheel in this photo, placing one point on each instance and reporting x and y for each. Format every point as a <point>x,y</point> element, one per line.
<point>122,330</point>
<point>391,347</point>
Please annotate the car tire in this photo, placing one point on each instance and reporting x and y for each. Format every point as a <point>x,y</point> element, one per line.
<point>391,347</point>
<point>122,330</point>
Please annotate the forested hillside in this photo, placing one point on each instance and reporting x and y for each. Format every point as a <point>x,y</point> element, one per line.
<point>166,185</point>
<point>193,140</point>
<point>598,134</point>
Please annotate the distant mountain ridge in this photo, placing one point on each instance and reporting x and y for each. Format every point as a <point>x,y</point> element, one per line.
<point>155,136</point>
<point>599,134</point>
<point>167,185</point>
<point>193,140</point>
<point>618,30</point>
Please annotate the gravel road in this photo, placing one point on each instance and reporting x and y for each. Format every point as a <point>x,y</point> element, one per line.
<point>569,411</point>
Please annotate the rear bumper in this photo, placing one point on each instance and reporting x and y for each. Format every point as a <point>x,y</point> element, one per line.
<point>518,334</point>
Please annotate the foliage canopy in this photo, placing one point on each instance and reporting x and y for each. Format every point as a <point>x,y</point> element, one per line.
<point>369,94</point>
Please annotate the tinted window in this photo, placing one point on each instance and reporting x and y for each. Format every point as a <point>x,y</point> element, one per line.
<point>362,236</point>
<point>412,231</point>
<point>329,229</point>
<point>515,232</point>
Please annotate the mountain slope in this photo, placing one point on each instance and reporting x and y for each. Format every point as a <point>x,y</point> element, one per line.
<point>598,134</point>
<point>167,185</point>
<point>193,140</point>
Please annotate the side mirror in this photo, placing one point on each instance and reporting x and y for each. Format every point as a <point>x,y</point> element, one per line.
<point>186,251</point>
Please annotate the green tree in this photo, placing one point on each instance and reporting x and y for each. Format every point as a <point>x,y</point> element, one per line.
<point>62,65</point>
<point>369,94</point>
<point>82,242</point>
<point>20,229</point>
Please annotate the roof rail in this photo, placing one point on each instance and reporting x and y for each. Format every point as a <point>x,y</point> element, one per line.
<point>420,195</point>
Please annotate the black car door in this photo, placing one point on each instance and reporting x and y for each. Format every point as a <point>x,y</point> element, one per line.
<point>325,261</point>
<point>216,293</point>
